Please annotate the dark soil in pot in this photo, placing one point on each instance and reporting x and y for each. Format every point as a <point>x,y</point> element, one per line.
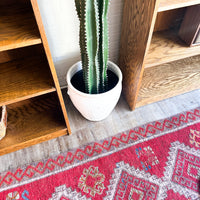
<point>78,83</point>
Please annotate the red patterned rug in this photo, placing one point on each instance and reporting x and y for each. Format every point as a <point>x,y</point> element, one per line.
<point>159,160</point>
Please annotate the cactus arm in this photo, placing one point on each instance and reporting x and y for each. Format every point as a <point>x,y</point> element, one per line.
<point>97,64</point>
<point>91,29</point>
<point>82,41</point>
<point>100,58</point>
<point>105,44</point>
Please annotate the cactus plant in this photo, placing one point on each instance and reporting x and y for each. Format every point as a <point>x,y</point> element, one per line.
<point>93,42</point>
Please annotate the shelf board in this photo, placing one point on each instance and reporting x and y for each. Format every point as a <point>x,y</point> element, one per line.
<point>23,79</point>
<point>17,28</point>
<point>173,4</point>
<point>169,80</point>
<point>33,121</point>
<point>165,47</point>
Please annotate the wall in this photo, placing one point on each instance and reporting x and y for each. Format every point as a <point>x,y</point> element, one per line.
<point>62,30</point>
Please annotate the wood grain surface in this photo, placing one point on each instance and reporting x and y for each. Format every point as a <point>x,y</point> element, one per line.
<point>166,46</point>
<point>17,27</point>
<point>31,122</point>
<point>168,80</point>
<point>50,60</point>
<point>173,4</point>
<point>137,27</point>
<point>24,78</point>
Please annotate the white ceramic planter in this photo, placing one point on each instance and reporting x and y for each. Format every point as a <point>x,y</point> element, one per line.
<point>94,107</point>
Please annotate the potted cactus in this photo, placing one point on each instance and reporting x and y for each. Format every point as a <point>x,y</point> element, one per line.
<point>94,83</point>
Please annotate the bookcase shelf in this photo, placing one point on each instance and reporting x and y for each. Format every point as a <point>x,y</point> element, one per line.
<point>33,121</point>
<point>18,27</point>
<point>156,64</point>
<point>23,79</point>
<point>166,47</point>
<point>165,81</point>
<point>29,85</point>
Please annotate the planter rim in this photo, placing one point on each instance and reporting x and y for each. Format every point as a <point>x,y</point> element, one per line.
<point>110,65</point>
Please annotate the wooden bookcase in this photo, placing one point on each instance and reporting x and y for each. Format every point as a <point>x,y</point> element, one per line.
<point>29,85</point>
<point>155,62</point>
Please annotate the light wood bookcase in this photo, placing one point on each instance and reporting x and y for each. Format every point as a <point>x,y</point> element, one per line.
<point>29,85</point>
<point>155,62</point>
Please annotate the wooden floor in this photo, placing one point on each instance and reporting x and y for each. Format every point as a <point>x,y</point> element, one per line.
<point>83,131</point>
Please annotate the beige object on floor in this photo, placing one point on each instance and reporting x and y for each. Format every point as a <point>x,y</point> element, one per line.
<point>3,122</point>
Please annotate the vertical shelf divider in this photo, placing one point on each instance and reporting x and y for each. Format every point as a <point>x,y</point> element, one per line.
<point>137,29</point>
<point>49,58</point>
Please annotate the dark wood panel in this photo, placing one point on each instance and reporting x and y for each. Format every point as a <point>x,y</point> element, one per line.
<point>137,27</point>
<point>169,19</point>
<point>24,52</point>
<point>12,2</point>
<point>191,25</point>
<point>169,80</point>
<point>25,78</point>
<point>17,27</point>
<point>31,122</point>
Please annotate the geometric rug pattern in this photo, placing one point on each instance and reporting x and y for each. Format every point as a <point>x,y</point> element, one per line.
<point>158,160</point>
